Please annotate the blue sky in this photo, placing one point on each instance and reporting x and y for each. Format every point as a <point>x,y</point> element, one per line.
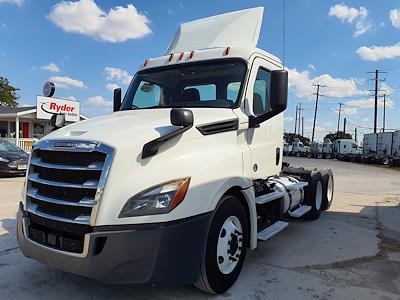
<point>89,47</point>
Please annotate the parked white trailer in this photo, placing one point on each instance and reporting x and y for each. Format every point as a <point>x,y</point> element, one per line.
<point>381,147</point>
<point>177,184</point>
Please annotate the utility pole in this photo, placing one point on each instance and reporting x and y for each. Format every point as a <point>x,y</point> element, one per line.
<point>344,126</point>
<point>338,121</point>
<point>300,109</point>
<point>376,79</point>
<point>302,126</point>
<point>384,111</point>
<point>295,122</point>
<point>355,134</point>
<point>316,108</point>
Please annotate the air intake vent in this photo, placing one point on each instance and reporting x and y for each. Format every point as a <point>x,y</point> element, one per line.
<point>219,127</point>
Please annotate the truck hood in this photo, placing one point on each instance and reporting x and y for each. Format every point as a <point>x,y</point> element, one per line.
<point>127,128</point>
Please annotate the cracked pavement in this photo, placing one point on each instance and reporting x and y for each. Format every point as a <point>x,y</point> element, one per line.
<point>351,252</point>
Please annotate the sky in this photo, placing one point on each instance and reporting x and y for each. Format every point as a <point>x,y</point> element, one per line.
<point>89,47</point>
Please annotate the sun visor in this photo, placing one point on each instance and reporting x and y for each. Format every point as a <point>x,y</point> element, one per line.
<point>235,29</point>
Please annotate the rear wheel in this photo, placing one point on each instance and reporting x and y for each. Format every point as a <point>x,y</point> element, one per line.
<point>319,155</point>
<point>297,154</point>
<point>327,188</point>
<point>385,161</point>
<point>313,196</point>
<point>226,247</point>
<point>328,156</point>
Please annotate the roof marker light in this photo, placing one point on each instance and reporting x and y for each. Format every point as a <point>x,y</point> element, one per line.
<point>181,56</point>
<point>227,50</point>
<point>171,56</point>
<point>145,62</point>
<point>191,54</point>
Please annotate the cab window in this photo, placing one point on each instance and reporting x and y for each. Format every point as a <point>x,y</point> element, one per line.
<point>261,103</point>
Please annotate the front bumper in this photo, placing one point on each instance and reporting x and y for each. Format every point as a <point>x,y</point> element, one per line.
<point>5,168</point>
<point>146,253</point>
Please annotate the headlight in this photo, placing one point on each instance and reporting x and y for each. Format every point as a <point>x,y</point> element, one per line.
<point>160,199</point>
<point>2,159</point>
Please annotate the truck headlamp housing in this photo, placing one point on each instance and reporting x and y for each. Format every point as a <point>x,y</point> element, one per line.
<point>160,199</point>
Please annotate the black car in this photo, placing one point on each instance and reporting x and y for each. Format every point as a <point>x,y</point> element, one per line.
<point>13,160</point>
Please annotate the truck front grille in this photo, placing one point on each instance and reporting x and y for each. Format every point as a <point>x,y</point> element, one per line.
<point>63,191</point>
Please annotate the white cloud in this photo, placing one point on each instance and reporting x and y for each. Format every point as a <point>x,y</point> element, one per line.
<point>352,15</point>
<point>289,119</point>
<point>302,84</point>
<point>52,67</point>
<point>375,53</point>
<point>4,25</point>
<point>66,82</point>
<point>118,75</point>
<point>112,86</point>
<point>344,13</point>
<point>15,2</point>
<point>71,98</point>
<point>99,101</point>
<point>370,103</point>
<point>394,16</point>
<point>312,67</point>
<point>85,17</point>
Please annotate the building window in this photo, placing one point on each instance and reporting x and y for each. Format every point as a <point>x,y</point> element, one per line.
<point>3,129</point>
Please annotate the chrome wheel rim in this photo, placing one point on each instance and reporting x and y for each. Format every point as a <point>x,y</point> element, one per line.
<point>330,189</point>
<point>229,246</point>
<point>318,196</point>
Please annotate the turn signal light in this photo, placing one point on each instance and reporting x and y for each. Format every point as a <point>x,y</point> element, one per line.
<point>181,56</point>
<point>191,54</point>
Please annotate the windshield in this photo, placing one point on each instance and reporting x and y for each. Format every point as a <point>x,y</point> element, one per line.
<point>6,146</point>
<point>205,84</point>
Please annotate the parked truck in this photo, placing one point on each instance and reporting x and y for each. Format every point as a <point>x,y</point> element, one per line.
<point>298,148</point>
<point>347,149</point>
<point>183,178</point>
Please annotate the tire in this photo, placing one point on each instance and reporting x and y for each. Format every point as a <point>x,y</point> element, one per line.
<point>327,156</point>
<point>297,154</point>
<point>385,161</point>
<point>216,276</point>
<point>309,155</point>
<point>319,155</point>
<point>328,185</point>
<point>313,196</point>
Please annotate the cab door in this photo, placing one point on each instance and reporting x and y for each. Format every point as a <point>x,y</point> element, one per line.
<point>265,140</point>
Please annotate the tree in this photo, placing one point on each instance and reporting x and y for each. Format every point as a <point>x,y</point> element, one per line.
<point>338,135</point>
<point>8,93</point>
<point>289,137</point>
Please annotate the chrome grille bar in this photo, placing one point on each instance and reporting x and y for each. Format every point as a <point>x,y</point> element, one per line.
<point>89,184</point>
<point>96,166</point>
<point>85,202</point>
<point>82,219</point>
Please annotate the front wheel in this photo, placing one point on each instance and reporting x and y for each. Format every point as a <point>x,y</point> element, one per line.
<point>226,247</point>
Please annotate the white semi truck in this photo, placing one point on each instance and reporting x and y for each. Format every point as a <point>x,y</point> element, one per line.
<point>183,178</point>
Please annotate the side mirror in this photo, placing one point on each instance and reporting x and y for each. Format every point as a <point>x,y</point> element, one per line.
<point>117,99</point>
<point>279,90</point>
<point>57,121</point>
<point>278,97</point>
<point>181,117</point>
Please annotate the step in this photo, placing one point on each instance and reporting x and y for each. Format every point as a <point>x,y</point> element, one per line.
<point>270,231</point>
<point>269,197</point>
<point>300,211</point>
<point>298,185</point>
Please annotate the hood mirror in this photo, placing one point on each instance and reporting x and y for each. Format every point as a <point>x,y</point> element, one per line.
<point>181,117</point>
<point>57,121</point>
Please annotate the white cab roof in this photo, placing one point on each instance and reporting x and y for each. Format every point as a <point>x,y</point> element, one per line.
<point>235,29</point>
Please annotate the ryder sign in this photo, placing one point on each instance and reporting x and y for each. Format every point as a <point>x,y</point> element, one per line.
<point>47,106</point>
